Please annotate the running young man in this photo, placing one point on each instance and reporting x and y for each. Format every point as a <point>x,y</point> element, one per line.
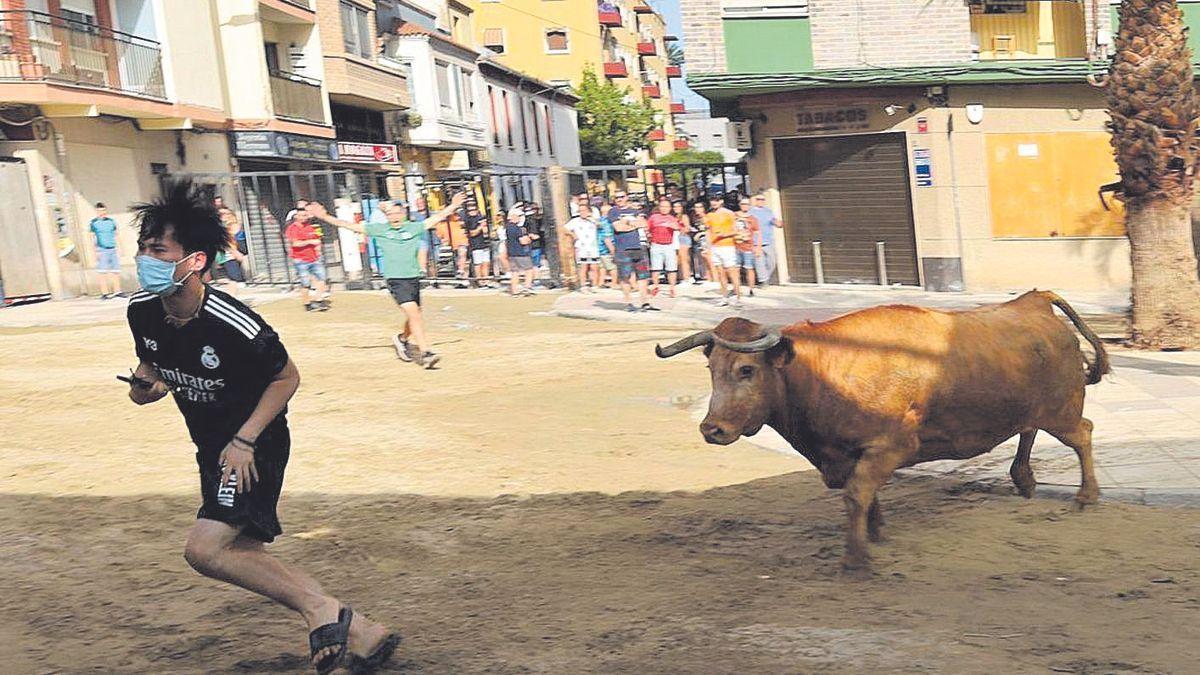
<point>723,237</point>
<point>399,241</point>
<point>305,251</point>
<point>231,379</point>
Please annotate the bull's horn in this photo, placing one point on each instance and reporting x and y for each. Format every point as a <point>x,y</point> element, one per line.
<point>700,339</point>
<point>762,344</point>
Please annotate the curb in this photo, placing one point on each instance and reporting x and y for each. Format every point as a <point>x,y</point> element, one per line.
<point>1171,497</point>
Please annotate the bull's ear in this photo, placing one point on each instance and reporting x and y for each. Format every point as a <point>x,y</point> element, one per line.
<point>781,354</point>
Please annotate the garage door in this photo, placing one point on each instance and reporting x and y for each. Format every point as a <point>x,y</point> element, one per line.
<point>847,192</point>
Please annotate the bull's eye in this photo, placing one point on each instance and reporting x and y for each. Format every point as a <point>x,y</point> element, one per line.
<point>746,372</point>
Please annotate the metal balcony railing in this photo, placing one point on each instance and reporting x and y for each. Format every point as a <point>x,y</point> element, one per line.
<point>297,97</point>
<point>35,46</point>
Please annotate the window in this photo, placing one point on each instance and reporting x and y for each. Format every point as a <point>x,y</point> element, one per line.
<point>556,41</point>
<point>491,92</point>
<point>271,49</point>
<point>356,31</point>
<point>537,132</point>
<point>507,119</point>
<point>549,129</point>
<point>444,86</point>
<point>466,94</point>
<point>524,125</point>
<point>493,39</point>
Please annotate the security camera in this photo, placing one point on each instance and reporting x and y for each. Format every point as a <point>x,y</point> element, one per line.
<point>891,110</point>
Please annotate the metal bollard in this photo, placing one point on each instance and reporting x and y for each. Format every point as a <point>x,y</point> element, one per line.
<point>818,266</point>
<point>881,261</point>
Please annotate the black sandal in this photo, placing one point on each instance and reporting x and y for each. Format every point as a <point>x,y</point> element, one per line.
<point>331,635</point>
<point>382,653</point>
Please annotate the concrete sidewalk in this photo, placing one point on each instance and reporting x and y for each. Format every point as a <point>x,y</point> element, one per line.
<point>1147,412</point>
<point>697,305</point>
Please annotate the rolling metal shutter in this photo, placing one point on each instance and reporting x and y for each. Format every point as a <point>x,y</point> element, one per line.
<point>847,192</point>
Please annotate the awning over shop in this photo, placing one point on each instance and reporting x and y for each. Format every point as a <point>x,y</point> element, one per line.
<point>725,87</point>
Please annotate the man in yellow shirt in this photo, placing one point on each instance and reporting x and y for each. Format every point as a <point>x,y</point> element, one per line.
<point>723,237</point>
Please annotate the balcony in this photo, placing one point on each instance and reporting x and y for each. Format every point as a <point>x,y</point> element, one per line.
<point>656,135</point>
<point>646,47</point>
<point>610,14</point>
<point>615,69</point>
<point>674,71</point>
<point>297,97</point>
<point>677,108</point>
<point>1030,30</point>
<point>682,144</point>
<point>365,85</point>
<point>651,90</point>
<point>41,47</point>
<point>643,8</point>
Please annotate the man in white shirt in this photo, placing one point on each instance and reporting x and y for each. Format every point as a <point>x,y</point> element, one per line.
<point>582,230</point>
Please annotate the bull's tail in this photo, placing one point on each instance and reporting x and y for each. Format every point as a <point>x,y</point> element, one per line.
<point>1100,366</point>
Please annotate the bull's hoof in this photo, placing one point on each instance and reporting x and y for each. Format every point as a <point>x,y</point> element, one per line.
<point>1026,490</point>
<point>1086,497</point>
<point>876,535</point>
<point>856,565</point>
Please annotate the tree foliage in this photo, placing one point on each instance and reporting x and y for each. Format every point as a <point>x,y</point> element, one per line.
<point>692,157</point>
<point>611,128</point>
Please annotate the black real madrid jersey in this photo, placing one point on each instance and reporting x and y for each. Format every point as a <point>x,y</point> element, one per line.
<point>217,365</point>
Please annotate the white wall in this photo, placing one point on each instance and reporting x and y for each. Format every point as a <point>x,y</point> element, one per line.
<point>564,119</point>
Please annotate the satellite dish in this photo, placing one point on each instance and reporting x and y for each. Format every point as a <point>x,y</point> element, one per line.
<point>974,113</point>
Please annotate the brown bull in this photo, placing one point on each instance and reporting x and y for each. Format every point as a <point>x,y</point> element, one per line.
<point>870,392</point>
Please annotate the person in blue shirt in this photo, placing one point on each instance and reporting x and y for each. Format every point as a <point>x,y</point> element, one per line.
<point>108,264</point>
<point>604,237</point>
<point>767,222</point>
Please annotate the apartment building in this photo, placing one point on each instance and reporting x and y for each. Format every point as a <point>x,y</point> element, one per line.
<point>101,98</point>
<point>943,143</point>
<point>96,100</point>
<point>622,40</point>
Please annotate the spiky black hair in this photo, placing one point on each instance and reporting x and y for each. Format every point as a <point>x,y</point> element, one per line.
<point>191,216</point>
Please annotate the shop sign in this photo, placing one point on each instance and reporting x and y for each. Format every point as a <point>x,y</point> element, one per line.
<point>831,119</point>
<point>922,125</point>
<point>284,146</point>
<point>373,153</point>
<point>923,167</point>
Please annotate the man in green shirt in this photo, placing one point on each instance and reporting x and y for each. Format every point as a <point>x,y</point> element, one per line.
<point>402,246</point>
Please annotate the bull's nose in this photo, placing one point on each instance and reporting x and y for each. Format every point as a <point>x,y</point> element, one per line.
<point>715,433</point>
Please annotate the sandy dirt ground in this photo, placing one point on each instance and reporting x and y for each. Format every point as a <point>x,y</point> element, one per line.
<point>542,504</point>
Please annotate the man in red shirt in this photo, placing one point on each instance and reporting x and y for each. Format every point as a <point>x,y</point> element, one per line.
<point>304,248</point>
<point>664,245</point>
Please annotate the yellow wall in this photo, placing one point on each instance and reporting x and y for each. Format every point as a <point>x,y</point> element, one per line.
<point>1060,23</point>
<point>1045,184</point>
<point>525,22</point>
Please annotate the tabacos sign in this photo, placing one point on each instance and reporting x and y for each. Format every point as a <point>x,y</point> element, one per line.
<point>373,153</point>
<point>832,119</point>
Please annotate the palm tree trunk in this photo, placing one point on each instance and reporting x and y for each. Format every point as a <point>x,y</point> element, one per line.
<point>1153,106</point>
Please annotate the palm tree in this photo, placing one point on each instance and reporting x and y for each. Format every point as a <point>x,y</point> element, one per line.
<point>1153,106</point>
<point>674,54</point>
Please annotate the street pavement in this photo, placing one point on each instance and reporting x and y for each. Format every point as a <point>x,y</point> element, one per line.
<point>1147,412</point>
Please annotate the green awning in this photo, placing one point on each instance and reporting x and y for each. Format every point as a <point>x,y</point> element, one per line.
<point>729,86</point>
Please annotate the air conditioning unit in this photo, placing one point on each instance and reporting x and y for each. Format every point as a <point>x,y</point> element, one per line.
<point>739,135</point>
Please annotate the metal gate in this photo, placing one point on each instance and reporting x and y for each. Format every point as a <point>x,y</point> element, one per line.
<point>847,208</point>
<point>264,199</point>
<point>22,266</point>
<point>648,182</point>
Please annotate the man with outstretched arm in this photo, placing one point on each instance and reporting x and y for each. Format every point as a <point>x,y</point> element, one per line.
<point>399,243</point>
<point>231,378</point>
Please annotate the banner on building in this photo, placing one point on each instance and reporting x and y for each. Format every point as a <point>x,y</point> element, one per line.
<point>277,144</point>
<point>372,153</point>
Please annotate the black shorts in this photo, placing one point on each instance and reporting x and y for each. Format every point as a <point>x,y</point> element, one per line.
<point>253,511</point>
<point>405,290</point>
